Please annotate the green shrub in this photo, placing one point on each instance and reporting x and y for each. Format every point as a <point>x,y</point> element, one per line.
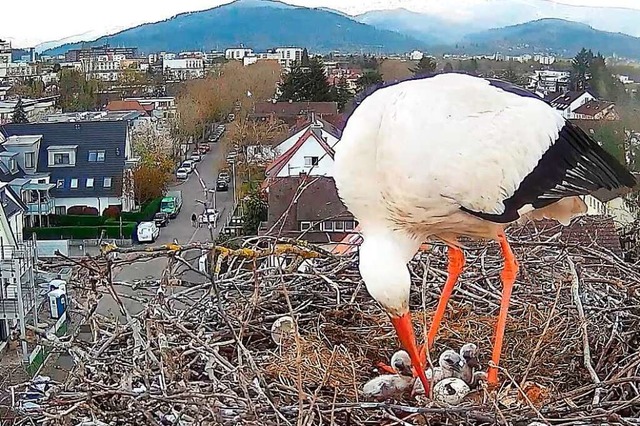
<point>80,232</point>
<point>146,213</point>
<point>77,220</point>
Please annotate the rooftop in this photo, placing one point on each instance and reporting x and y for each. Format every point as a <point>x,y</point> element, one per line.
<point>91,116</point>
<point>22,140</point>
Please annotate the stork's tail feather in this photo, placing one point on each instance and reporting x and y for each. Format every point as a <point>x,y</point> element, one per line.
<point>601,169</point>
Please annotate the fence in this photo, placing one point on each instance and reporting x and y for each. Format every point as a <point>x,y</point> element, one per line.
<point>40,353</point>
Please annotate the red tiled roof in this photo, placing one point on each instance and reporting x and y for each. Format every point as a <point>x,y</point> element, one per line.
<point>278,164</point>
<point>126,106</point>
<point>593,107</point>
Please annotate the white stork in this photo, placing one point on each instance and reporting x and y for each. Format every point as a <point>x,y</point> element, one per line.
<point>454,155</point>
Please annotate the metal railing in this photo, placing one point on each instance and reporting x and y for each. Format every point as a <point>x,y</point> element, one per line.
<point>43,207</point>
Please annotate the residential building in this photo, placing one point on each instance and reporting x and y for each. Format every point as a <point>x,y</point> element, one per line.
<point>183,69</point>
<point>34,108</point>
<point>292,112</point>
<point>545,82</point>
<point>76,55</point>
<point>309,149</point>
<point>237,53</point>
<point>568,102</point>
<point>130,105</point>
<point>103,67</point>
<point>5,52</point>
<point>163,107</point>
<point>287,56</point>
<point>416,55</point>
<point>308,208</point>
<point>14,210</point>
<point>596,110</point>
<point>71,163</point>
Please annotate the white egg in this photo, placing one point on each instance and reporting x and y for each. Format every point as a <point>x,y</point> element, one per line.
<point>282,327</point>
<point>450,390</point>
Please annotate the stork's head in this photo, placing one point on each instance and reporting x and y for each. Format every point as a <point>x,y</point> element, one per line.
<point>383,266</point>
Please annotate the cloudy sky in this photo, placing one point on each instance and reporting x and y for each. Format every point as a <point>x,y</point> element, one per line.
<point>29,22</point>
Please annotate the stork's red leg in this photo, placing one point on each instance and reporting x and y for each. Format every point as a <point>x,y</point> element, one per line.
<point>508,276</point>
<point>454,269</point>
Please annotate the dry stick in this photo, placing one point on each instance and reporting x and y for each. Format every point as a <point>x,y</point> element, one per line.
<point>544,332</point>
<point>575,292</point>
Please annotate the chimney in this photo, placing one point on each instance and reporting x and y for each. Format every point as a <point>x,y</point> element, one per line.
<point>312,117</point>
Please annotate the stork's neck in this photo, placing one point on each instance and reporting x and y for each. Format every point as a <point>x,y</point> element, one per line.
<point>384,255</point>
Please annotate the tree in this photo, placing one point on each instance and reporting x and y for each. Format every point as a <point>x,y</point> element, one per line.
<point>342,93</point>
<point>149,183</point>
<point>255,210</point>
<point>132,82</point>
<point>426,65</point>
<point>511,76</point>
<point>19,116</point>
<point>448,67</point>
<point>304,60</point>
<point>76,92</point>
<point>581,65</point>
<point>309,85</point>
<point>394,70</point>
<point>469,65</point>
<point>369,78</point>
<point>30,88</point>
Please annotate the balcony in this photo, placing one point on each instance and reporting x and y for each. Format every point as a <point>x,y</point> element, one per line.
<point>43,207</point>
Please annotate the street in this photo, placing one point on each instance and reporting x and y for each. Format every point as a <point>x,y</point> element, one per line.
<point>180,229</point>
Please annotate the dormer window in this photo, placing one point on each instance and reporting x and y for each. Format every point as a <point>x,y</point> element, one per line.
<point>29,160</point>
<point>13,166</point>
<point>62,156</point>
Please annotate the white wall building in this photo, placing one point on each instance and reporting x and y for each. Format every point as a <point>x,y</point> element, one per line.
<point>237,53</point>
<point>183,69</point>
<point>287,56</point>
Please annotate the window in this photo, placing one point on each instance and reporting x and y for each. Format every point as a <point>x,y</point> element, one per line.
<point>29,160</point>
<point>327,226</point>
<point>61,210</point>
<point>338,226</point>
<point>61,158</point>
<point>304,226</point>
<point>349,225</point>
<point>60,183</point>
<point>96,156</point>
<point>310,161</point>
<point>12,165</point>
<point>89,182</point>
<point>74,183</point>
<point>107,182</point>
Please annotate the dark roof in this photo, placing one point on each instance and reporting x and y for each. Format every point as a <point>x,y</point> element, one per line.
<point>317,202</point>
<point>593,107</point>
<point>108,136</point>
<point>11,202</point>
<point>565,99</point>
<point>295,108</point>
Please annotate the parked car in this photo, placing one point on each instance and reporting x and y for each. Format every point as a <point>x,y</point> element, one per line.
<point>209,216</point>
<point>222,185</point>
<point>189,165</point>
<point>148,232</point>
<point>224,176</point>
<point>204,148</point>
<point>195,157</point>
<point>182,173</point>
<point>161,219</point>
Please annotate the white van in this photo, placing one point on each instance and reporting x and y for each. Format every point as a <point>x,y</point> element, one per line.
<point>148,232</point>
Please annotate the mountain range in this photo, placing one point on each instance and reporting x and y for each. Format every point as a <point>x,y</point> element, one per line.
<point>264,24</point>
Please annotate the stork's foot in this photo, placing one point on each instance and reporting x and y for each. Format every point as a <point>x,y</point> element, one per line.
<point>492,377</point>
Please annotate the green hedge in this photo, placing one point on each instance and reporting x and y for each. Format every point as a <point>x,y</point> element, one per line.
<point>77,220</point>
<point>146,213</point>
<point>80,232</point>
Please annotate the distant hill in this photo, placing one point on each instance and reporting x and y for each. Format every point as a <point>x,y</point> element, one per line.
<point>428,28</point>
<point>557,36</point>
<point>259,24</point>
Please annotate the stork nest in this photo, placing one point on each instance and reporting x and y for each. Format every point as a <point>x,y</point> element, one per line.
<point>205,355</point>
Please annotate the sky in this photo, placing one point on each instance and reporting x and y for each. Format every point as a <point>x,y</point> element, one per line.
<point>30,22</point>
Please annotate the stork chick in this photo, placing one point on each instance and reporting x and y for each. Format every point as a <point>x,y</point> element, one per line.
<point>448,366</point>
<point>387,386</point>
<point>468,353</point>
<point>401,363</point>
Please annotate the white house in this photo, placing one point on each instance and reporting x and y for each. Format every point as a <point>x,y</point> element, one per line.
<point>569,102</point>
<point>416,55</point>
<point>309,150</point>
<point>183,69</point>
<point>287,56</point>
<point>13,210</point>
<point>237,53</point>
<point>104,67</point>
<point>614,204</point>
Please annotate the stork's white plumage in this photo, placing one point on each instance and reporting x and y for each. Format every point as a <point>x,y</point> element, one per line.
<point>454,155</point>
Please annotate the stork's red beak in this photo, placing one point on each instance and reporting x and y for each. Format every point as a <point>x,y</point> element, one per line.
<point>404,328</point>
